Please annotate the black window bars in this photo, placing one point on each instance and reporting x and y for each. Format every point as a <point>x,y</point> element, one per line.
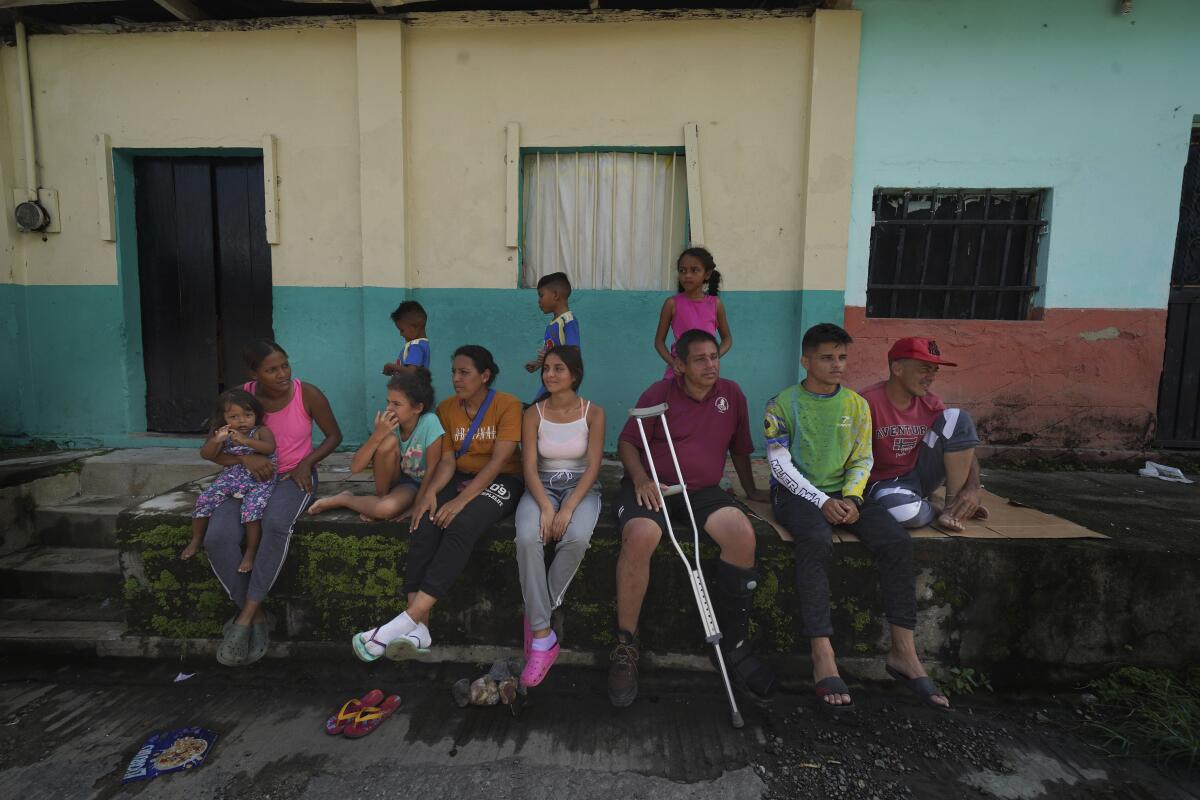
<point>954,253</point>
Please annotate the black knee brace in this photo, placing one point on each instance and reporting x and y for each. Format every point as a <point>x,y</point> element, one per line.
<point>735,587</point>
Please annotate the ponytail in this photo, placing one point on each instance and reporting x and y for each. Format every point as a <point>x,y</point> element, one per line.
<point>416,384</point>
<point>481,357</point>
<point>710,266</point>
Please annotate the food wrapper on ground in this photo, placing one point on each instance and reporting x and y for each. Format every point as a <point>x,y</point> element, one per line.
<point>171,751</point>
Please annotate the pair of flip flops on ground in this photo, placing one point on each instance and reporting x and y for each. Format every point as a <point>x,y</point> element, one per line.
<point>359,716</point>
<point>923,687</point>
<point>401,649</point>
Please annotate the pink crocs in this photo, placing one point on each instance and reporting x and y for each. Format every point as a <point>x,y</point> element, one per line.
<point>537,664</point>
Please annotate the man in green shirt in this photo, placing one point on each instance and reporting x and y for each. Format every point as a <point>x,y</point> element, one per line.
<point>819,446</point>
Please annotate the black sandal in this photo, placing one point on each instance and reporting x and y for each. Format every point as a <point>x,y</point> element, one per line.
<point>833,685</point>
<point>923,687</point>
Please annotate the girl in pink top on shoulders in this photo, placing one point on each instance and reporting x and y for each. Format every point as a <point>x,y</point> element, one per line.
<point>695,307</point>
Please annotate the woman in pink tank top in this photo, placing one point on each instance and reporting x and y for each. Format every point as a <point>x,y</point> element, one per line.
<point>292,407</point>
<point>693,307</point>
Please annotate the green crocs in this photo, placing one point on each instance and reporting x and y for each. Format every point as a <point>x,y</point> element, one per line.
<point>260,638</point>
<point>235,646</point>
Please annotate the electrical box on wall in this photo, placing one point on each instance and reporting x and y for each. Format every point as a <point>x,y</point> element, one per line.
<point>40,217</point>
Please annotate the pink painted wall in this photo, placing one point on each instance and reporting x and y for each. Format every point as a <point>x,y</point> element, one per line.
<point>1077,378</point>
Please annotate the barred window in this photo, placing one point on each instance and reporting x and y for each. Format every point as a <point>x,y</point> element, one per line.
<point>609,219</point>
<point>954,253</point>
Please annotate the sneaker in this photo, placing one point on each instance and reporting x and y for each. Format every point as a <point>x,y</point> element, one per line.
<point>539,663</point>
<point>623,672</point>
<point>411,645</point>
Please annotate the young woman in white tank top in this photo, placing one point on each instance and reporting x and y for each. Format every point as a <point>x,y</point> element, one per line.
<point>562,444</point>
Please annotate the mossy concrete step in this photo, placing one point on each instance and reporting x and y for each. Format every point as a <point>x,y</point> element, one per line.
<point>62,610</point>
<point>87,521</point>
<point>43,572</point>
<point>1045,610</point>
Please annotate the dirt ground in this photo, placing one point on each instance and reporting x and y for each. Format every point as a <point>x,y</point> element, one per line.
<point>69,732</point>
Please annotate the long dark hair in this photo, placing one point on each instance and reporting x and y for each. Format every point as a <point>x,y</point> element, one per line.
<point>481,357</point>
<point>573,360</point>
<point>254,352</point>
<point>417,386</point>
<point>235,397</point>
<point>710,266</point>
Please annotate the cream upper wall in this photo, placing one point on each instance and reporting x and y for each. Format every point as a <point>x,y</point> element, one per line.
<point>196,89</point>
<point>744,81</point>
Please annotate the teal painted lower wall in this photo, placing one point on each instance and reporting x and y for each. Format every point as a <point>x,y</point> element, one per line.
<point>77,387</point>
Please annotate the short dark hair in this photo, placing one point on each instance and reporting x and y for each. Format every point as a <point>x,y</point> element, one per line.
<point>572,358</point>
<point>683,345</point>
<point>235,397</point>
<point>822,333</point>
<point>254,352</point>
<point>410,310</point>
<point>417,386</point>
<point>481,357</point>
<point>556,281</point>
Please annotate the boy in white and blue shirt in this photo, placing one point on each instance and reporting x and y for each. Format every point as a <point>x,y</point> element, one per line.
<point>410,318</point>
<point>554,290</point>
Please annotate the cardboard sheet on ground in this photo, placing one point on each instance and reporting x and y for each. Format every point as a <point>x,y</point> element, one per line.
<point>1006,521</point>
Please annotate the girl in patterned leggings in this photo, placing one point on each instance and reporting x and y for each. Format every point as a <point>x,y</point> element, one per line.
<point>242,434</point>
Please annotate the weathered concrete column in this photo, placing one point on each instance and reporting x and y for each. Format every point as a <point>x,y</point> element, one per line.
<point>829,164</point>
<point>379,46</point>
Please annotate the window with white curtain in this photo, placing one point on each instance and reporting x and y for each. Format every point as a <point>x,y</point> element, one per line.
<point>609,219</point>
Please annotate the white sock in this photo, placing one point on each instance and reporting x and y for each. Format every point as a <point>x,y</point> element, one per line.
<point>393,630</point>
<point>544,643</point>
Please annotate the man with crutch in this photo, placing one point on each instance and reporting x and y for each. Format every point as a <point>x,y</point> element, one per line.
<point>708,418</point>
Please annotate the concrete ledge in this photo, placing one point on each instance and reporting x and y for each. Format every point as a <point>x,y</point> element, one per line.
<point>1021,610</point>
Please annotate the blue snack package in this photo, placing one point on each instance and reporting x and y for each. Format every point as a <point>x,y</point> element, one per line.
<point>169,752</point>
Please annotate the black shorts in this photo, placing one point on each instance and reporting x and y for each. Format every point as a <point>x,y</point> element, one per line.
<point>704,501</point>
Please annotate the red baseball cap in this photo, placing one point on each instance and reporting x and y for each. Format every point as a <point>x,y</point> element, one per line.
<point>920,349</point>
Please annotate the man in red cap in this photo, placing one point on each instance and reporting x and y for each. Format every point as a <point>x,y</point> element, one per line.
<point>919,444</point>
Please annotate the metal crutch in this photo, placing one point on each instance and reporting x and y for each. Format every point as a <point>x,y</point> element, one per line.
<point>712,632</point>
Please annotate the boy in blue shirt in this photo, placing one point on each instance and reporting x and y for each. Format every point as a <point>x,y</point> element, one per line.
<point>553,292</point>
<point>410,318</point>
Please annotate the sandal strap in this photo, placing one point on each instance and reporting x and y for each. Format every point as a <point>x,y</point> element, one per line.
<point>831,685</point>
<point>368,714</point>
<point>349,710</point>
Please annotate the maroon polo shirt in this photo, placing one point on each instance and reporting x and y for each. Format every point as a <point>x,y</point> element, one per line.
<point>703,430</point>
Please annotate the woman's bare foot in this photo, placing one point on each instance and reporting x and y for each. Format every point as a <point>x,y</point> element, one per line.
<point>328,503</point>
<point>247,564</point>
<point>190,550</point>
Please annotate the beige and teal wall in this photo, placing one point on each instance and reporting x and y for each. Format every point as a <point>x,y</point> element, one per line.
<point>390,144</point>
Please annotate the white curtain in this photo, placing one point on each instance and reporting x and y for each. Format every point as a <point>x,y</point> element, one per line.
<point>610,220</point>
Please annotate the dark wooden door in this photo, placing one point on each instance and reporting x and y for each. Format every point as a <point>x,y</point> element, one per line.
<point>1178,400</point>
<point>205,272</point>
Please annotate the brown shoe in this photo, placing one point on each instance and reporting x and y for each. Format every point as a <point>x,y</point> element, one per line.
<point>623,673</point>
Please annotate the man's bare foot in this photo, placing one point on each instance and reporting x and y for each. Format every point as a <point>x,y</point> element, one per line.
<point>911,667</point>
<point>949,522</point>
<point>328,503</point>
<point>826,667</point>
<point>190,551</point>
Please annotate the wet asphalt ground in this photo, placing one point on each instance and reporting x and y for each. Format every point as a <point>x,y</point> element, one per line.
<point>69,730</point>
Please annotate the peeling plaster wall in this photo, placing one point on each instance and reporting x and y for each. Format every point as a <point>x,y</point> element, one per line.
<point>1078,378</point>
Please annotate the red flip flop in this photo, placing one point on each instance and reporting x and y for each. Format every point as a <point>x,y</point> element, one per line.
<point>371,717</point>
<point>345,717</point>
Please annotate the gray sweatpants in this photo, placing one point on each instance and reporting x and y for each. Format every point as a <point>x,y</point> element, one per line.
<point>904,497</point>
<point>223,542</point>
<point>544,589</point>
